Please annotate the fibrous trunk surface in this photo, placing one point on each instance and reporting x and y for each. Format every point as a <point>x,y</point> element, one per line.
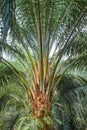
<point>42,108</point>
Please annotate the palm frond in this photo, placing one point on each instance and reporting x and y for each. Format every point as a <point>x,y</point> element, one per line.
<point>68,103</point>
<point>8,15</point>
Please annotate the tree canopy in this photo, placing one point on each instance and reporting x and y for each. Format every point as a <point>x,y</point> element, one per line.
<point>49,39</point>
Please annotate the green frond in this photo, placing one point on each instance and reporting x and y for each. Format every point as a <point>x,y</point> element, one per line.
<point>5,74</point>
<point>9,123</point>
<point>68,102</point>
<point>8,15</point>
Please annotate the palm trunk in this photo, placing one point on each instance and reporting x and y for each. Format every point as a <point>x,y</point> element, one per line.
<point>42,108</point>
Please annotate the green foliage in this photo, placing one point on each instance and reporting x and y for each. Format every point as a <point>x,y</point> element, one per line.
<point>8,15</point>
<point>68,109</point>
<point>38,26</point>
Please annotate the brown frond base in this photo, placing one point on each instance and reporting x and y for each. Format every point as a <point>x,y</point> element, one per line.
<point>42,108</point>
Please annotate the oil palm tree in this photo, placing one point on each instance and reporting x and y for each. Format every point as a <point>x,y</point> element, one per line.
<point>52,35</point>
